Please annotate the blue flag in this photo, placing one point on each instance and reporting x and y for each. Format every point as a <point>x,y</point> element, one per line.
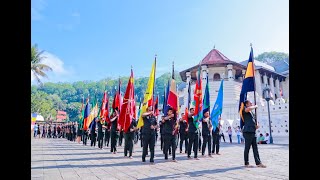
<point>248,85</point>
<point>217,108</point>
<point>165,103</point>
<point>206,98</point>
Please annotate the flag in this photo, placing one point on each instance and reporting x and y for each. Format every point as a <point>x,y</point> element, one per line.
<point>93,112</point>
<point>104,111</point>
<point>217,108</point>
<point>148,93</point>
<point>128,106</point>
<point>198,100</point>
<point>206,98</point>
<point>173,96</point>
<point>165,100</point>
<point>156,109</point>
<point>117,98</point>
<point>86,115</point>
<point>247,86</point>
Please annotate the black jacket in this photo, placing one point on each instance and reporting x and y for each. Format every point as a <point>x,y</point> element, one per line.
<point>249,123</point>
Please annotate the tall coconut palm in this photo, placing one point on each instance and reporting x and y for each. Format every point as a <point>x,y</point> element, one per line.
<point>37,68</point>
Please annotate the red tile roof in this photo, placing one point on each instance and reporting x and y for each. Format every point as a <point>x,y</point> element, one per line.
<point>215,57</point>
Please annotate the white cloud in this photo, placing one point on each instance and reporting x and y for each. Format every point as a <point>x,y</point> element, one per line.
<point>54,62</point>
<point>36,7</point>
<point>59,71</point>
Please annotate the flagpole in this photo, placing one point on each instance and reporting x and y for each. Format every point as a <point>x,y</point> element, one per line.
<point>254,83</point>
<point>154,78</point>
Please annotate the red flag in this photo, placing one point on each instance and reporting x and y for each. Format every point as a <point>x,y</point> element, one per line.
<point>104,107</point>
<point>156,109</point>
<point>186,112</point>
<point>173,96</point>
<point>117,99</point>
<point>128,106</point>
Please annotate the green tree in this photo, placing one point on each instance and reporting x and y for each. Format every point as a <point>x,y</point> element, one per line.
<point>37,67</point>
<point>270,57</point>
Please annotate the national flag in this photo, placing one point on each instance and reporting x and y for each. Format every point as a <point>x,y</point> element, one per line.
<point>128,106</point>
<point>198,100</point>
<point>165,100</point>
<point>117,98</point>
<point>93,112</point>
<point>206,98</point>
<point>104,111</point>
<point>217,108</point>
<point>148,93</point>
<point>86,115</point>
<point>173,96</point>
<point>248,85</point>
<point>156,109</point>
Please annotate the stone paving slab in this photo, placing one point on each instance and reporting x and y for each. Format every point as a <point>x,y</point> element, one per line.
<point>63,159</point>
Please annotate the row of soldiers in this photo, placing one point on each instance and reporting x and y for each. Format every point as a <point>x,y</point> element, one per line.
<point>170,128</point>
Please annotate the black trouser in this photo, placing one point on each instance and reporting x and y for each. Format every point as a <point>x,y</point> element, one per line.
<point>193,141</point>
<point>106,138</point>
<point>84,138</point>
<point>200,143</point>
<point>114,135</point>
<point>93,139</point>
<point>148,140</point>
<point>215,143</point>
<point>141,139</point>
<point>169,142</point>
<point>59,134</point>
<point>250,140</point>
<point>120,138</point>
<point>128,143</point>
<point>161,141</point>
<point>136,137</point>
<point>206,140</point>
<point>222,135</point>
<point>100,140</point>
<point>74,135</point>
<point>184,137</point>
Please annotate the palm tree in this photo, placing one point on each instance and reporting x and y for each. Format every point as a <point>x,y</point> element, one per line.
<point>37,68</point>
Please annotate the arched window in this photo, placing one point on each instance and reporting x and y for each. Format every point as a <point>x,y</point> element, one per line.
<point>216,77</point>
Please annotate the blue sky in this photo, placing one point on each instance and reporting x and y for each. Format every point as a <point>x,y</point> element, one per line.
<point>92,40</point>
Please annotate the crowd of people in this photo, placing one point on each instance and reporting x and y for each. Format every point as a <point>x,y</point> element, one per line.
<point>204,138</point>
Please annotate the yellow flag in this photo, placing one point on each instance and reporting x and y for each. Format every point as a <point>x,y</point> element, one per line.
<point>147,95</point>
<point>93,114</point>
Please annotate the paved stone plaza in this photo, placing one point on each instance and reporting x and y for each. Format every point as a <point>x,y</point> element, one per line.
<point>61,159</point>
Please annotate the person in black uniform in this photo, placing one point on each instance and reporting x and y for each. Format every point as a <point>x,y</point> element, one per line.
<point>206,133</point>
<point>169,123</point>
<point>93,134</point>
<point>148,133</point>
<point>84,136</point>
<point>183,133</point>
<point>216,138</point>
<point>74,131</point>
<point>128,138</point>
<point>249,134</point>
<point>107,133</point>
<point>100,132</point>
<point>193,135</point>
<point>114,130</point>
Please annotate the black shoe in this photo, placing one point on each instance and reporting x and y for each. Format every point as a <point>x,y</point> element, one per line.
<point>143,160</point>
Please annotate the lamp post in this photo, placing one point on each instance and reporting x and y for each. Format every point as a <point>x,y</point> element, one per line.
<point>266,93</point>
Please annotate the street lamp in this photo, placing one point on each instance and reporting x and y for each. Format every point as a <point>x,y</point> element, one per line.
<point>266,93</point>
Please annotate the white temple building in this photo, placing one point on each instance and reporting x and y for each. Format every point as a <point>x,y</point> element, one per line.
<point>218,66</point>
